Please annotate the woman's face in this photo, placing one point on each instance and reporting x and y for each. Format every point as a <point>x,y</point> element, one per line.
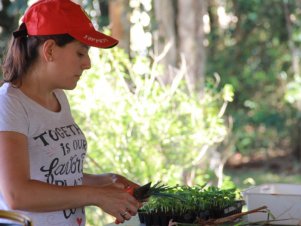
<point>68,64</point>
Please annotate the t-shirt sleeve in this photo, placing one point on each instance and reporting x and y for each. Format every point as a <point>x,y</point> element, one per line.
<point>13,116</point>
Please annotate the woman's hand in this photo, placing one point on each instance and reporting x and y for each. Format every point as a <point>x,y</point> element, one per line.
<point>116,201</point>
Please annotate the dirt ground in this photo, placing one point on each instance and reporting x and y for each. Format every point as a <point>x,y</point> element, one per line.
<point>279,161</point>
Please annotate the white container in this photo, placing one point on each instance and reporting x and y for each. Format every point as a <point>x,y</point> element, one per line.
<point>283,200</point>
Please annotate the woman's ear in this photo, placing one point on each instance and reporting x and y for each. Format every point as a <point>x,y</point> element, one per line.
<point>48,50</point>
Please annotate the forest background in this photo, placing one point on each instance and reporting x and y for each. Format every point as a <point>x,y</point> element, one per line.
<point>194,87</point>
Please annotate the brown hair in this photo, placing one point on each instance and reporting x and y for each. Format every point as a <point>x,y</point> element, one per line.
<point>22,52</point>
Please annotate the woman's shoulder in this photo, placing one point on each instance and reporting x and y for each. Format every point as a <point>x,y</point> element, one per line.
<point>12,111</point>
<point>7,91</point>
<point>4,88</point>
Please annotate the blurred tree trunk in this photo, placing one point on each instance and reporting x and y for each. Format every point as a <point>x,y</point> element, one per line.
<point>191,40</point>
<point>296,71</point>
<point>165,37</point>
<point>191,49</point>
<point>120,24</point>
<point>215,32</point>
<point>180,25</point>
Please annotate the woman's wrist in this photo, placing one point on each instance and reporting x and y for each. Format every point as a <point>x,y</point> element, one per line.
<point>114,177</point>
<point>123,180</point>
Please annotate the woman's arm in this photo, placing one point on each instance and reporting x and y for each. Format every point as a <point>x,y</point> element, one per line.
<point>22,193</point>
<point>108,179</point>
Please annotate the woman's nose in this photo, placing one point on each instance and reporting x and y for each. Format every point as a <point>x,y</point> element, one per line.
<point>86,63</point>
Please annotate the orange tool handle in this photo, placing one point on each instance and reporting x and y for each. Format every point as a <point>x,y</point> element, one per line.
<point>129,190</point>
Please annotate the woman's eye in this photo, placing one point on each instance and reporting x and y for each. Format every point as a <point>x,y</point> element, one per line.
<point>80,54</point>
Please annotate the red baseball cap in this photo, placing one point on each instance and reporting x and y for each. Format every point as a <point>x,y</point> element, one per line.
<point>51,17</point>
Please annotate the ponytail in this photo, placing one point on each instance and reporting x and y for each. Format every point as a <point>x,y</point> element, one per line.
<point>16,60</point>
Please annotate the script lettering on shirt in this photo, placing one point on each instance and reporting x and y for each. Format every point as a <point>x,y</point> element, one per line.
<point>74,165</point>
<point>79,144</point>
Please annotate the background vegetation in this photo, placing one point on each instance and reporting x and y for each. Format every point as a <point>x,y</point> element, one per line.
<point>192,86</point>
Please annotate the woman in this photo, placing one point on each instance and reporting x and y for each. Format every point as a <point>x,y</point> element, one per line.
<point>42,149</point>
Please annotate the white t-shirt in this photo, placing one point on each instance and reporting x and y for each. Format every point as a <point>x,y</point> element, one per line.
<point>56,145</point>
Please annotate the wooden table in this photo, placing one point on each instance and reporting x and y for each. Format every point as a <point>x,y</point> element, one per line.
<point>135,222</point>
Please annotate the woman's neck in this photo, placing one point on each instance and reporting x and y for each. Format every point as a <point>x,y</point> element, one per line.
<point>40,94</point>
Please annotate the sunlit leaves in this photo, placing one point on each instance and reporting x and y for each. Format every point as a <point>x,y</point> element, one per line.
<point>139,127</point>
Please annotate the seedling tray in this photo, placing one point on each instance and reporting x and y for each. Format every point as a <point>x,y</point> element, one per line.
<point>162,219</point>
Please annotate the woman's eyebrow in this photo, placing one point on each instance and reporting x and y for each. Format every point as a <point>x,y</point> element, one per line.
<point>86,46</point>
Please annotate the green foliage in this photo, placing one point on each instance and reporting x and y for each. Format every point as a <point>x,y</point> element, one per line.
<point>293,91</point>
<point>253,55</point>
<point>10,12</point>
<point>139,127</point>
